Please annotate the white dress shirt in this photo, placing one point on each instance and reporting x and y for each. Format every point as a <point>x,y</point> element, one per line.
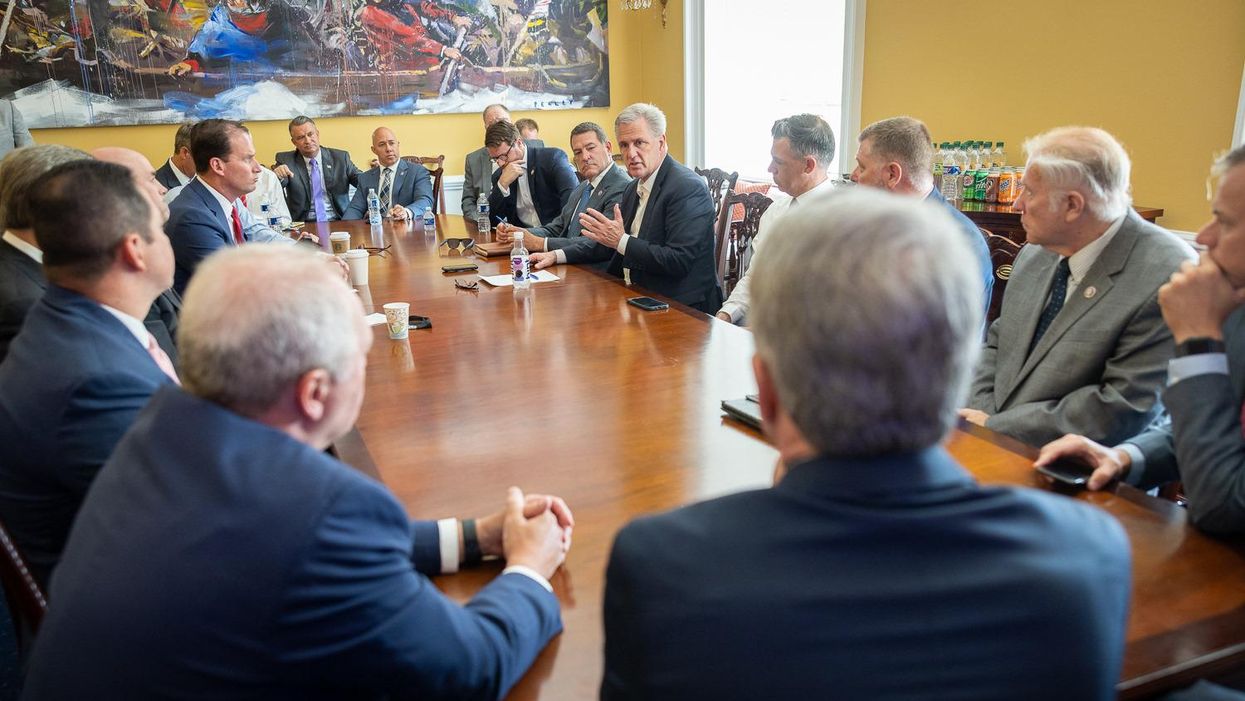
<point>182,178</point>
<point>253,229</point>
<point>136,327</point>
<point>12,239</point>
<point>447,539</point>
<point>269,186</point>
<point>1080,262</point>
<point>523,203</point>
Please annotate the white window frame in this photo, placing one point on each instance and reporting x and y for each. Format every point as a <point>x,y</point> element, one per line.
<point>694,82</point>
<point>1238,136</point>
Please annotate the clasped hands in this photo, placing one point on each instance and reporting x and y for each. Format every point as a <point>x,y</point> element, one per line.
<point>532,531</point>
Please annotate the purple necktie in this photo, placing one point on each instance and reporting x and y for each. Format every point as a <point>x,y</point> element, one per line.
<point>317,191</point>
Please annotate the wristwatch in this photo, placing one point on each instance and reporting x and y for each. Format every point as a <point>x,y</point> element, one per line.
<point>1198,346</point>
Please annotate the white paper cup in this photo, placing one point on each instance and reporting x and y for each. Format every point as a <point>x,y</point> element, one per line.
<point>357,260</point>
<point>398,317</point>
<point>340,241</point>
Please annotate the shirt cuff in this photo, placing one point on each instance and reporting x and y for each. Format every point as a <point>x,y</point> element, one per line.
<point>447,535</point>
<point>733,310</point>
<point>530,574</point>
<point>622,244</point>
<point>560,256</point>
<point>1192,365</point>
<point>505,191</point>
<point>1138,466</point>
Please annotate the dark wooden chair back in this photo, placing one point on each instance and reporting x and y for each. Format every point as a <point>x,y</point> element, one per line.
<point>720,184</point>
<point>26,601</point>
<point>438,197</point>
<point>733,239</point>
<point>1003,253</point>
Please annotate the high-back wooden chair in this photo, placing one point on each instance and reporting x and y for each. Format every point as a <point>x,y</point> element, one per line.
<point>438,197</point>
<point>733,238</point>
<point>1003,252</point>
<point>720,184</point>
<point>27,603</point>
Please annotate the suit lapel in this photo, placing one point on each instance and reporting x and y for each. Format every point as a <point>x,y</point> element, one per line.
<point>213,206</point>
<point>1035,289</point>
<point>1234,335</point>
<point>662,172</point>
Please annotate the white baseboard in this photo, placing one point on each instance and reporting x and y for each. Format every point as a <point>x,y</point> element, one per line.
<point>452,188</point>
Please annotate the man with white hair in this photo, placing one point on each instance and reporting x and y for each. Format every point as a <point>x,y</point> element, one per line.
<point>1080,345</point>
<point>661,236</point>
<point>876,567</point>
<point>244,562</point>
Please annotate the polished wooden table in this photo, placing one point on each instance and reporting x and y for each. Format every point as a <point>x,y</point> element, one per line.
<point>566,389</point>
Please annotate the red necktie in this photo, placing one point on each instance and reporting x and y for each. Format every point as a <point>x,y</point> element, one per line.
<point>237,226</point>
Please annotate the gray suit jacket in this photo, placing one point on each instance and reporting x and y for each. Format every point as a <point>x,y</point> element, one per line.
<point>565,229</point>
<point>1100,366</point>
<point>13,131</point>
<point>478,176</point>
<point>1203,446</point>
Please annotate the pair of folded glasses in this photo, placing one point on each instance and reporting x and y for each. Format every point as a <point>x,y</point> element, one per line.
<point>467,285</point>
<point>454,244</point>
<point>373,251</point>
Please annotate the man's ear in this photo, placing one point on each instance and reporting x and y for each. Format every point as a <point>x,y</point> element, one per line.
<point>1074,205</point>
<point>312,394</point>
<point>130,252</point>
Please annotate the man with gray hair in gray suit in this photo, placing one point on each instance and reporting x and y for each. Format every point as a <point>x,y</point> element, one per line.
<point>1080,345</point>
<point>1203,448</point>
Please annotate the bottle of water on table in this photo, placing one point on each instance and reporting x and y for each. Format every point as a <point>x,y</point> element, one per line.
<point>519,264</point>
<point>430,221</point>
<point>373,207</point>
<point>483,223</point>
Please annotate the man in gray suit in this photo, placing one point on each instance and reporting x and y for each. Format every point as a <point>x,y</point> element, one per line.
<point>13,131</point>
<point>478,169</point>
<point>1080,345</point>
<point>601,190</point>
<point>1203,447</point>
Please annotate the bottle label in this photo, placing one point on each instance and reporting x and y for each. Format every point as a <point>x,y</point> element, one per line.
<point>518,268</point>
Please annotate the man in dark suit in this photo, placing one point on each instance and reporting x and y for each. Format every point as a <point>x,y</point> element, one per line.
<point>404,189</point>
<point>317,179</point>
<point>876,567</point>
<point>21,273</point>
<point>83,364</point>
<point>601,189</point>
<point>1203,447</point>
<point>530,185</point>
<point>180,167</point>
<point>661,237</point>
<point>1079,345</point>
<point>209,214</point>
<point>282,573</point>
<point>478,167</point>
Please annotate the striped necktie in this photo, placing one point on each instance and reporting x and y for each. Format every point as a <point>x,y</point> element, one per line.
<point>385,186</point>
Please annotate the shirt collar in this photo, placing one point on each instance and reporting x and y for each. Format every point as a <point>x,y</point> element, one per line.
<point>1080,262</point>
<point>177,173</point>
<point>823,186</point>
<point>134,325</point>
<point>225,205</point>
<point>596,182</point>
<point>319,155</point>
<point>24,247</point>
<point>647,183</point>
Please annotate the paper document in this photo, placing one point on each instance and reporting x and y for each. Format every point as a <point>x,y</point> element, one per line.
<point>508,281</point>
<point>374,319</point>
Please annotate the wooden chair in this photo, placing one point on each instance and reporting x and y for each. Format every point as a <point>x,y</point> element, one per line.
<point>733,239</point>
<point>438,197</point>
<point>720,184</point>
<point>27,604</point>
<point>1003,253</point>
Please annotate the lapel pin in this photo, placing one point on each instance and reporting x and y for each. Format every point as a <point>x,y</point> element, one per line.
<point>1090,292</point>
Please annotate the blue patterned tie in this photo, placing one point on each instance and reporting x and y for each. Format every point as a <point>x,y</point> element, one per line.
<point>317,191</point>
<point>1058,290</point>
<point>579,209</point>
<point>385,205</point>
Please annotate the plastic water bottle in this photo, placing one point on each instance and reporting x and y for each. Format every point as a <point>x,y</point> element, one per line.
<point>1000,155</point>
<point>950,185</point>
<point>270,214</point>
<point>519,264</point>
<point>483,223</point>
<point>940,155</point>
<point>430,221</point>
<point>373,207</point>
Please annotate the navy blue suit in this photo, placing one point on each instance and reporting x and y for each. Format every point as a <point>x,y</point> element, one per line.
<point>166,177</point>
<point>673,254</point>
<point>197,228</point>
<point>550,177</point>
<point>886,578</point>
<point>218,558</point>
<point>73,381</point>
<point>21,284</point>
<point>975,240</point>
<point>411,188</point>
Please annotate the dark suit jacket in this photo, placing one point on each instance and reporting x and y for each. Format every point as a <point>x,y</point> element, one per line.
<point>478,176</point>
<point>1101,364</point>
<point>218,558</point>
<point>1203,446</point>
<point>167,177</point>
<point>565,230</point>
<point>411,188</point>
<point>673,254</point>
<point>339,174</point>
<point>877,578</point>
<point>72,384</point>
<point>550,178</point>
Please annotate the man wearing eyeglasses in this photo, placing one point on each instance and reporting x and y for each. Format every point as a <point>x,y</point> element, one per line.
<point>478,167</point>
<point>530,185</point>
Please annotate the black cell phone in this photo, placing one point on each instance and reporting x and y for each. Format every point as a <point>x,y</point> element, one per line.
<point>419,322</point>
<point>459,267</point>
<point>1067,472</point>
<point>648,304</point>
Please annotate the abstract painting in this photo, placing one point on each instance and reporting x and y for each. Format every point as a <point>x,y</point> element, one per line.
<point>72,63</point>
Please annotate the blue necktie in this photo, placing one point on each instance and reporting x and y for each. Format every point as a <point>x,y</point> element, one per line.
<point>579,209</point>
<point>1058,290</point>
<point>317,191</point>
<point>385,205</point>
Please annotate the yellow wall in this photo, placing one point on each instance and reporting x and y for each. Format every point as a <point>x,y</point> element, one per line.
<point>456,134</point>
<point>1163,76</point>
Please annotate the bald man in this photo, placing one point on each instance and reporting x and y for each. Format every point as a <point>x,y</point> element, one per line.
<point>405,189</point>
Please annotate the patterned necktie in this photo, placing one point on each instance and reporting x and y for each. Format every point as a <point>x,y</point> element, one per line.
<point>1058,290</point>
<point>579,209</point>
<point>237,225</point>
<point>385,204</point>
<point>317,191</point>
<point>162,359</point>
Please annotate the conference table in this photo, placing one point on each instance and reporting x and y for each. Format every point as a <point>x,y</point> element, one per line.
<point>566,389</point>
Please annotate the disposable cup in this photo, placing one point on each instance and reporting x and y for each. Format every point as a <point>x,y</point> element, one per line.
<point>340,241</point>
<point>398,317</point>
<point>357,260</point>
